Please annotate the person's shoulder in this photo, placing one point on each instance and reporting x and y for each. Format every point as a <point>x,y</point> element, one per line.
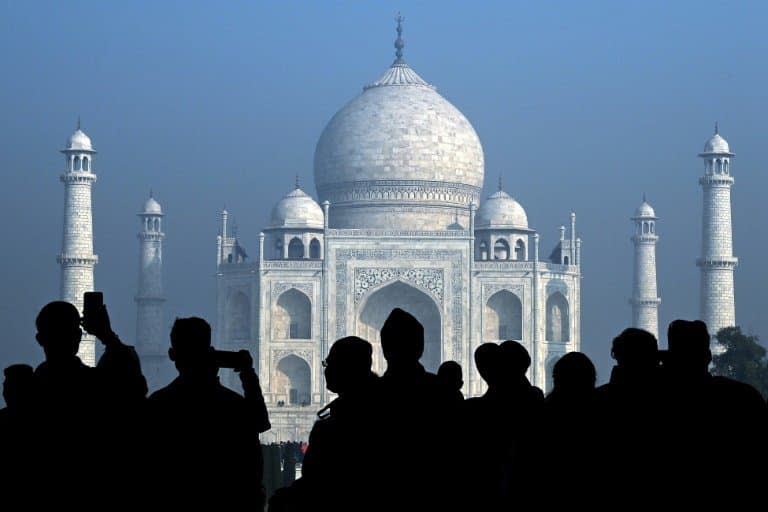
<point>164,394</point>
<point>735,388</point>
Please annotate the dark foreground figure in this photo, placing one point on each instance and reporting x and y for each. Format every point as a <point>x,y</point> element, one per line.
<point>207,436</point>
<point>662,431</point>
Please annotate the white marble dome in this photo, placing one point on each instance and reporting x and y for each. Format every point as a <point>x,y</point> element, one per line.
<point>79,140</point>
<point>717,144</point>
<point>153,207</point>
<point>500,210</point>
<point>645,210</point>
<point>297,210</point>
<point>397,145</point>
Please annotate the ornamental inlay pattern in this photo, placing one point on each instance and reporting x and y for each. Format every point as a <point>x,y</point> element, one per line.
<point>293,264</point>
<point>400,190</point>
<point>398,233</point>
<point>277,355</point>
<point>343,256</point>
<point>278,288</point>
<point>490,289</point>
<point>428,279</point>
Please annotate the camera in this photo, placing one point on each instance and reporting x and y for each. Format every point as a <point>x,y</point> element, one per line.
<point>239,360</point>
<point>92,301</point>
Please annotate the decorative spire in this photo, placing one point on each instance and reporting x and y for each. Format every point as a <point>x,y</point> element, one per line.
<point>78,121</point>
<point>298,184</point>
<point>500,184</point>
<point>150,194</point>
<point>644,198</point>
<point>717,131</point>
<point>399,44</point>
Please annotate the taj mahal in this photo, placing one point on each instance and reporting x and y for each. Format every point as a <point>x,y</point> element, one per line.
<point>398,220</point>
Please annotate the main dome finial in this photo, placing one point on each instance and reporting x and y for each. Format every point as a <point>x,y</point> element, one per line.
<point>399,44</point>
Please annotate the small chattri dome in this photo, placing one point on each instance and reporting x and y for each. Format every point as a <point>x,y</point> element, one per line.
<point>500,210</point>
<point>152,206</point>
<point>645,210</point>
<point>79,141</point>
<point>716,144</point>
<point>297,210</point>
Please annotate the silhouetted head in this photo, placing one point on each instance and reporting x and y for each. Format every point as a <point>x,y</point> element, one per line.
<point>450,373</point>
<point>58,330</point>
<point>348,364</point>
<point>487,362</point>
<point>689,346</point>
<point>574,372</point>
<point>516,359</point>
<point>18,385</point>
<point>402,338</point>
<point>635,349</point>
<point>191,348</point>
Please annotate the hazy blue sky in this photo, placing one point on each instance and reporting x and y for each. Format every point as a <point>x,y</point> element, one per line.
<point>579,105</point>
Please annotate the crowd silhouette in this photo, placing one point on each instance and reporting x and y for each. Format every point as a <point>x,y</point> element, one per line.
<point>662,430</point>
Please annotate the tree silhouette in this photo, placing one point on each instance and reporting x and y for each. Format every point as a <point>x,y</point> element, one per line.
<point>744,359</point>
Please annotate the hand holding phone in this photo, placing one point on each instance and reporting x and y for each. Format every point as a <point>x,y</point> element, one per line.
<point>238,361</point>
<point>92,301</point>
<point>95,317</point>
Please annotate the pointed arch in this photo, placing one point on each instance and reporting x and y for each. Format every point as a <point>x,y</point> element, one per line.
<point>503,317</point>
<point>314,249</point>
<point>501,249</point>
<point>293,379</point>
<point>557,318</point>
<point>292,318</point>
<point>379,304</point>
<point>295,248</point>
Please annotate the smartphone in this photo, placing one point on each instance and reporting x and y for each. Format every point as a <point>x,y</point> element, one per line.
<point>230,359</point>
<point>92,301</point>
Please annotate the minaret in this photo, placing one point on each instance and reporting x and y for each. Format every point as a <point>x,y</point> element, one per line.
<point>76,258</point>
<point>717,262</point>
<point>645,302</point>
<point>150,336</point>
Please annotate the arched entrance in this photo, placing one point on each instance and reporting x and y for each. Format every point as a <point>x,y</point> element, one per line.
<point>400,295</point>
<point>292,381</point>
<point>503,319</point>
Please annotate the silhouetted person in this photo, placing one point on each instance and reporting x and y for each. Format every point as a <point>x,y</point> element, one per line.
<point>631,413</point>
<point>720,423</point>
<point>80,409</point>
<point>18,392</point>
<point>339,444</point>
<point>417,427</point>
<point>16,420</point>
<point>503,474</point>
<point>207,434</point>
<point>525,401</point>
<point>571,402</point>
<point>483,462</point>
<point>450,375</point>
